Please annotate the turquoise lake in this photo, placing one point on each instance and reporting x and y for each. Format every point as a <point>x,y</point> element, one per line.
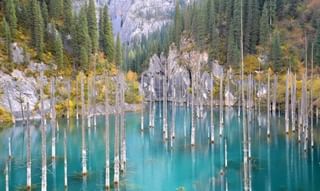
<point>279,163</point>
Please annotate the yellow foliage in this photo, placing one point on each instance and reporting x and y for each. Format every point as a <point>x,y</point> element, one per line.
<point>114,71</point>
<point>5,118</point>
<point>132,76</point>
<point>251,64</point>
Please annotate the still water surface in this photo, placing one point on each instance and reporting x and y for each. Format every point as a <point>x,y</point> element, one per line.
<point>277,164</point>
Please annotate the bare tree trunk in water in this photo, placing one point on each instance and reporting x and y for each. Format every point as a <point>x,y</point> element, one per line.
<point>274,101</point>
<point>123,127</point>
<point>192,111</point>
<point>28,149</point>
<point>53,120</point>
<point>287,102</point>
<point>165,105</point>
<point>268,105</point>
<point>43,138</point>
<point>94,91</point>
<point>221,106</point>
<point>211,112</point>
<point>83,132</point>
<point>116,136</point>
<point>142,106</point>
<point>311,100</point>
<point>77,100</point>
<point>293,102</point>
<point>68,103</point>
<point>89,101</point>
<point>107,138</point>
<point>65,153</point>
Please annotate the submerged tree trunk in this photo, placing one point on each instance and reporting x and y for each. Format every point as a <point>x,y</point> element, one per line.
<point>268,105</point>
<point>293,102</point>
<point>43,138</point>
<point>123,127</point>
<point>89,101</point>
<point>107,139</point>
<point>116,136</point>
<point>28,149</point>
<point>287,103</point>
<point>221,106</point>
<point>68,103</point>
<point>211,112</point>
<point>192,111</point>
<point>77,100</point>
<point>65,153</point>
<point>274,101</point>
<point>53,120</point>
<point>83,132</point>
<point>165,105</point>
<point>311,101</point>
<point>142,106</point>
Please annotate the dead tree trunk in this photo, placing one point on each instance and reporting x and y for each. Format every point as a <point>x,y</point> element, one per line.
<point>107,139</point>
<point>211,112</point>
<point>83,132</point>
<point>116,136</point>
<point>268,106</point>
<point>53,120</point>
<point>221,106</point>
<point>28,149</point>
<point>43,138</point>
<point>293,102</point>
<point>274,101</point>
<point>287,103</point>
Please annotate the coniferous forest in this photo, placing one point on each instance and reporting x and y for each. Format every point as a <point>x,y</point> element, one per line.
<point>159,95</point>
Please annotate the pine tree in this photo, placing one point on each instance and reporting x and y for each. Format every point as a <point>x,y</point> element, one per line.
<point>10,13</point>
<point>177,25</point>
<point>58,50</point>
<point>293,8</point>
<point>37,28</point>
<point>67,17</point>
<point>106,35</point>
<point>7,37</point>
<point>81,40</point>
<point>276,53</point>
<point>317,46</point>
<point>92,25</point>
<point>118,55</point>
<point>45,15</point>
<point>56,8</point>
<point>264,25</point>
<point>279,9</point>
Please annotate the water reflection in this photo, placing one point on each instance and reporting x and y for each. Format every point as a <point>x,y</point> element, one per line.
<point>276,163</point>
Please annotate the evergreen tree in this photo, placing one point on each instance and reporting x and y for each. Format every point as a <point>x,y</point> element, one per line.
<point>177,25</point>
<point>81,40</point>
<point>264,25</point>
<point>45,15</point>
<point>279,9</point>
<point>37,28</point>
<point>293,8</point>
<point>10,13</point>
<point>92,26</point>
<point>58,50</point>
<point>118,55</point>
<point>7,37</point>
<point>67,17</point>
<point>200,28</point>
<point>317,47</point>
<point>106,35</point>
<point>56,8</point>
<point>276,53</point>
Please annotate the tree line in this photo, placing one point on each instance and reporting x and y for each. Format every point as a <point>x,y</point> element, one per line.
<point>53,26</point>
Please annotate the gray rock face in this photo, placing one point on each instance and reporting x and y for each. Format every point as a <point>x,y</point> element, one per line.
<point>17,54</point>
<point>17,89</point>
<point>134,18</point>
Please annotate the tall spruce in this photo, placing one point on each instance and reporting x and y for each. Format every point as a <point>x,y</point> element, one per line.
<point>58,50</point>
<point>55,9</point>
<point>92,26</point>
<point>10,14</point>
<point>118,55</point>
<point>67,17</point>
<point>106,35</point>
<point>81,40</point>
<point>37,28</point>
<point>7,37</point>
<point>264,25</point>
<point>276,53</point>
<point>177,24</point>
<point>317,47</point>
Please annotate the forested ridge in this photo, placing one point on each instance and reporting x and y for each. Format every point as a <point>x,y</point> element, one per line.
<point>275,31</point>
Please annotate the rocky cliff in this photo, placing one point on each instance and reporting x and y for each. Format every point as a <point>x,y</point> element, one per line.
<point>135,18</point>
